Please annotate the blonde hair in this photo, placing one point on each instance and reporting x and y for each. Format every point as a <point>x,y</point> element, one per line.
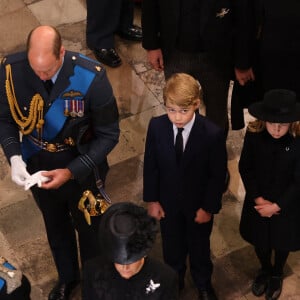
<point>259,125</point>
<point>182,89</point>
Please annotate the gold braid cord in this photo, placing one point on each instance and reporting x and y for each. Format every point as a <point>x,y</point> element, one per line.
<point>36,109</point>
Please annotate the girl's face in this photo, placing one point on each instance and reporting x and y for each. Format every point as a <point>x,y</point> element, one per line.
<point>277,130</point>
<point>127,271</point>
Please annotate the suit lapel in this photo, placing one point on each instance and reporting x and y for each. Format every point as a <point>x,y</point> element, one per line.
<point>194,138</point>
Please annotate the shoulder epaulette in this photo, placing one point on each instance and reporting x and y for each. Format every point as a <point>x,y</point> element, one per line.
<point>14,58</point>
<point>86,62</point>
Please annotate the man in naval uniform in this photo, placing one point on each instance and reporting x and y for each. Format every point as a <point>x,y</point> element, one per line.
<point>63,105</point>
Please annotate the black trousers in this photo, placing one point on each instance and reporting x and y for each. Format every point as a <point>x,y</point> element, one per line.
<point>265,259</point>
<point>104,18</point>
<point>62,217</point>
<point>182,237</point>
<point>212,72</point>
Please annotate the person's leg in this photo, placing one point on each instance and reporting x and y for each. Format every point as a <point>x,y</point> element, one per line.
<point>201,265</point>
<point>102,22</point>
<point>274,288</point>
<point>54,205</point>
<point>126,29</point>
<point>260,282</point>
<point>173,232</point>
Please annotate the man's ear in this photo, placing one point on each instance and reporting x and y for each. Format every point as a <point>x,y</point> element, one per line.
<point>62,51</point>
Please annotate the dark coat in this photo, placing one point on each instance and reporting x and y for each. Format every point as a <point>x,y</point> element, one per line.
<point>101,281</point>
<point>271,168</point>
<point>199,181</point>
<point>225,35</point>
<point>279,44</point>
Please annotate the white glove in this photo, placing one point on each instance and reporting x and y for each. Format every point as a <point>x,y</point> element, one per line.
<point>18,170</point>
<point>36,178</point>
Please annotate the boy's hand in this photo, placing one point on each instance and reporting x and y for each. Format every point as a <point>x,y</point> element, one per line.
<point>155,210</point>
<point>202,216</point>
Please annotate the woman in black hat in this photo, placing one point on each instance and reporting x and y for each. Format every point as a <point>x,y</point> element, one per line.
<point>123,271</point>
<point>270,170</point>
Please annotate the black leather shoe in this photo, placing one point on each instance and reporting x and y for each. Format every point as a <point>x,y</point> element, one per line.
<point>133,33</point>
<point>260,282</point>
<point>207,294</point>
<point>108,57</point>
<point>274,288</point>
<point>62,291</point>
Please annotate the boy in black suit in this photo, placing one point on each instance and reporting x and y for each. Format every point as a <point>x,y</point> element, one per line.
<point>184,180</point>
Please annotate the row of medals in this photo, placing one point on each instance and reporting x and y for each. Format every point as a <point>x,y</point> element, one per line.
<point>74,108</point>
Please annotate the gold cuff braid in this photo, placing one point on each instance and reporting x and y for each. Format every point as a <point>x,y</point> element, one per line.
<point>36,109</point>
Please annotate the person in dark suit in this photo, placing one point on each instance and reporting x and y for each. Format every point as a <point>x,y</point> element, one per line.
<point>123,270</point>
<point>184,180</point>
<point>67,132</point>
<point>270,170</point>
<point>273,55</point>
<point>205,39</point>
<point>104,19</point>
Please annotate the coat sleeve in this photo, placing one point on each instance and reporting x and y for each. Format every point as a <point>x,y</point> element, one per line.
<point>216,173</point>
<point>247,167</point>
<point>150,24</point>
<point>151,170</point>
<point>289,201</point>
<point>244,35</point>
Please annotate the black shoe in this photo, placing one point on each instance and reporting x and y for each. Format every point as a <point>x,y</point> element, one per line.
<point>260,283</point>
<point>62,291</point>
<point>274,288</point>
<point>108,57</point>
<point>207,294</point>
<point>133,33</point>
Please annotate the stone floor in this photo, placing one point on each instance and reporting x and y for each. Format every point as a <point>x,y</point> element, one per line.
<point>138,92</point>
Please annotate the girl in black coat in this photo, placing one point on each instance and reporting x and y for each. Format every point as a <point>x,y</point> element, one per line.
<point>270,170</point>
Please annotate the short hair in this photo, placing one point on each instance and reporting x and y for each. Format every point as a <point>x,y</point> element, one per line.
<point>182,89</point>
<point>57,41</point>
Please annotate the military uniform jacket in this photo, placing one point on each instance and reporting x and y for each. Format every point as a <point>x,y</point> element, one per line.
<point>155,281</point>
<point>224,34</point>
<point>271,168</point>
<point>100,110</point>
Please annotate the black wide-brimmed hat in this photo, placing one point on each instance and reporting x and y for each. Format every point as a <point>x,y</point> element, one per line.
<point>278,106</point>
<point>127,233</point>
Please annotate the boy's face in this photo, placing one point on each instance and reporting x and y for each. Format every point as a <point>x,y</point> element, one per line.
<point>179,115</point>
<point>277,130</point>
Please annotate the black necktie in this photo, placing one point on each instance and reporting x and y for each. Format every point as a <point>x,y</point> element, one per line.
<point>48,84</point>
<point>179,144</point>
